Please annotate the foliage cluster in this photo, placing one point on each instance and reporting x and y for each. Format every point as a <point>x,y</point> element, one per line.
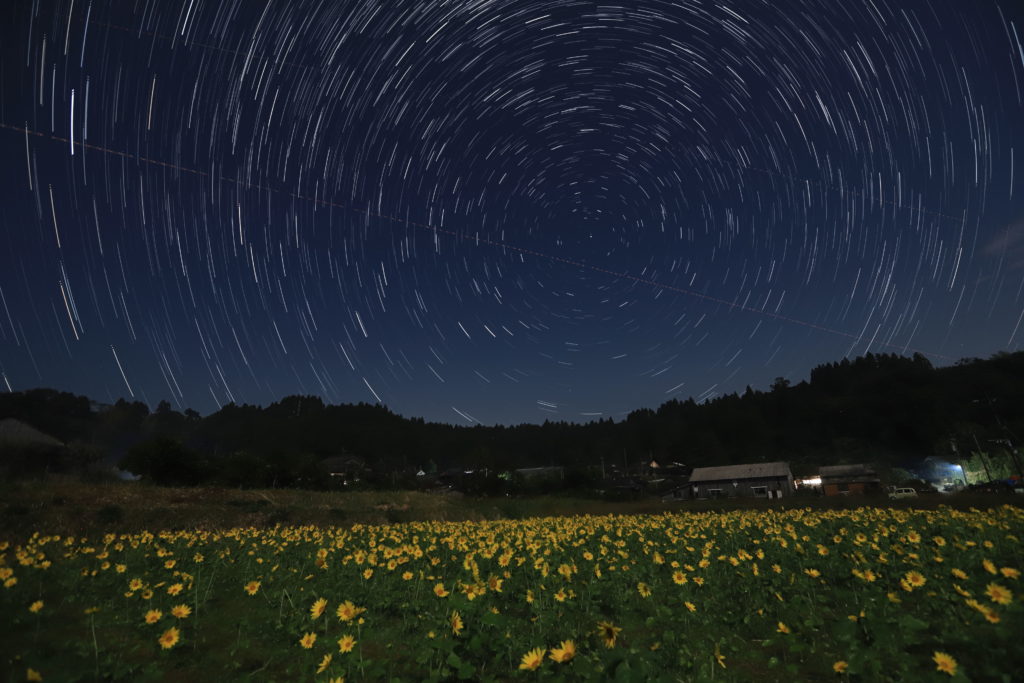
<point>885,409</point>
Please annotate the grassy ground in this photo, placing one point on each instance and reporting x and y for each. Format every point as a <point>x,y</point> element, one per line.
<point>100,594</point>
<point>69,506</point>
<point>874,594</point>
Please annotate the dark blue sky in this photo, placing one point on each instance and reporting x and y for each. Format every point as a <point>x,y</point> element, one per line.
<point>502,211</point>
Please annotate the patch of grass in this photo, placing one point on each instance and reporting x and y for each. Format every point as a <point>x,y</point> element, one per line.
<point>249,505</point>
<point>72,507</point>
<point>109,514</point>
<point>16,510</point>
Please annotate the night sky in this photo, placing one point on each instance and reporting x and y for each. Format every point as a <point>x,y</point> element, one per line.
<point>502,212</point>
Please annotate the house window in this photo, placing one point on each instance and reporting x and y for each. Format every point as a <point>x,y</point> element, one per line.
<point>714,493</point>
<point>759,491</point>
<point>844,487</point>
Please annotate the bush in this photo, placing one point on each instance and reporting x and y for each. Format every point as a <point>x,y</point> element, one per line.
<point>165,462</point>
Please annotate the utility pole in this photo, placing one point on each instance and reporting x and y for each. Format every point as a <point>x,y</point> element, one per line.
<point>981,455</point>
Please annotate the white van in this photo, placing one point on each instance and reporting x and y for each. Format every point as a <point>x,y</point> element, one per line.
<point>902,493</point>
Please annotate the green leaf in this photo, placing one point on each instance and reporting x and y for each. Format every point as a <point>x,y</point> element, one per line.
<point>908,622</point>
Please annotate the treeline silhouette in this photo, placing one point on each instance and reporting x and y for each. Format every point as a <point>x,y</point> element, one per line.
<point>887,409</point>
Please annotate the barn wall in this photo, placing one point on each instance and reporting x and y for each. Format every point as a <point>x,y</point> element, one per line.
<point>745,487</point>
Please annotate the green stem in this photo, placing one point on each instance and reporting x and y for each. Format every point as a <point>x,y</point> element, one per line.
<point>359,633</point>
<point>195,602</point>
<point>95,645</point>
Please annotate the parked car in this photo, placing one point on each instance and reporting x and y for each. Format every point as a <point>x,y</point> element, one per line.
<point>902,493</point>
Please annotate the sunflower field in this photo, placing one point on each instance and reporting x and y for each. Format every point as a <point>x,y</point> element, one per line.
<point>867,594</point>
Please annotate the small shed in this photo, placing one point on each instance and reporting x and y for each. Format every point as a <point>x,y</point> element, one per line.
<point>844,480</point>
<point>753,480</point>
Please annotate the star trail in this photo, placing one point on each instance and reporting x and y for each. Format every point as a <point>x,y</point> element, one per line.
<point>502,212</point>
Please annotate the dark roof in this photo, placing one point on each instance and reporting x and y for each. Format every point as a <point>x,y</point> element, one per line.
<point>342,462</point>
<point>14,431</point>
<point>757,470</point>
<point>858,470</point>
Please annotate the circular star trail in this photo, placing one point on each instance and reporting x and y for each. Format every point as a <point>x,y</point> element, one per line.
<point>502,211</point>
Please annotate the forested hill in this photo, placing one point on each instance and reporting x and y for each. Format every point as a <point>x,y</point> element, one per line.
<point>883,408</point>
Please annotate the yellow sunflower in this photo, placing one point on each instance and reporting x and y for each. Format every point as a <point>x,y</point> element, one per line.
<point>347,611</point>
<point>456,622</point>
<point>608,632</point>
<point>169,638</point>
<point>346,643</point>
<point>999,594</point>
<point>532,659</point>
<point>944,663</point>
<point>564,652</point>
<point>915,578</point>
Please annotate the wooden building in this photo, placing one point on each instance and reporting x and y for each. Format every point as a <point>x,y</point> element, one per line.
<point>754,480</point>
<point>17,433</point>
<point>346,468</point>
<point>845,480</point>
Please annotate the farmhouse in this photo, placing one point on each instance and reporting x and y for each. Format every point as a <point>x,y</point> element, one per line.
<point>842,480</point>
<point>754,480</point>
<point>346,467</point>
<point>16,433</point>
